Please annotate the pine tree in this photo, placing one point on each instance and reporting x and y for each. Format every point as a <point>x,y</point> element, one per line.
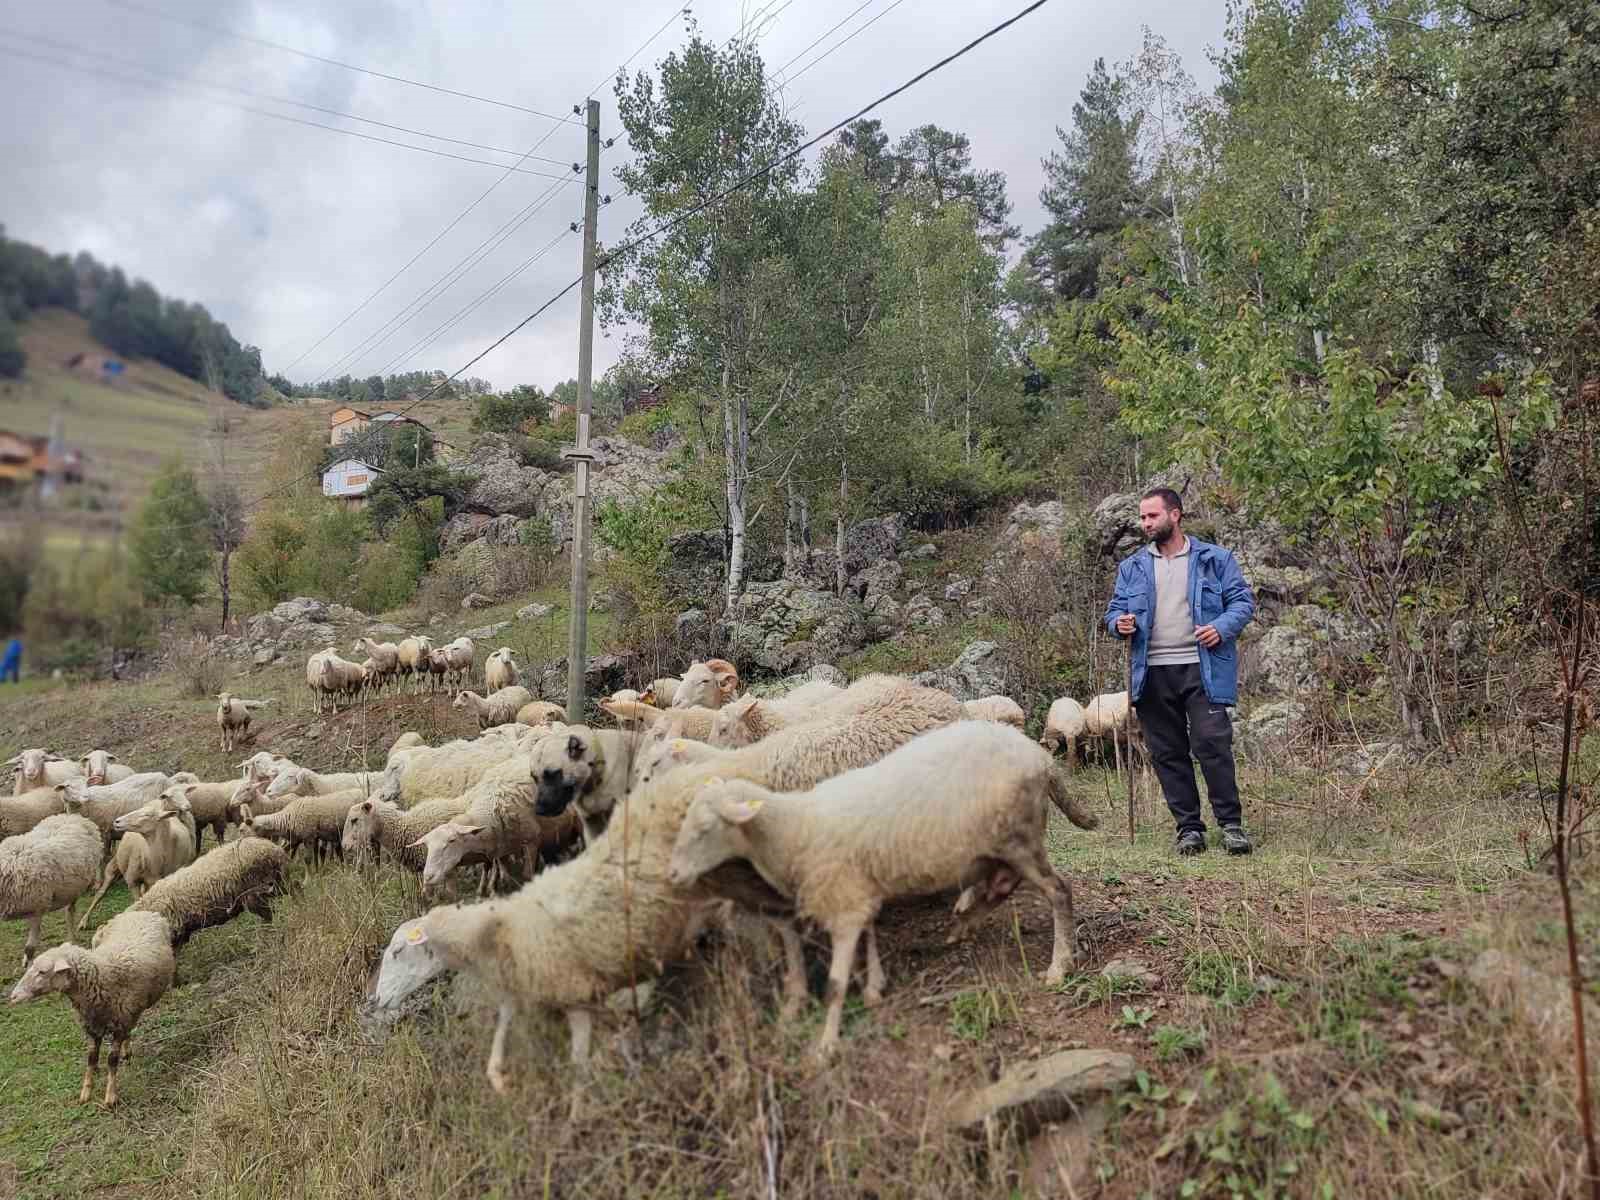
<point>171,539</point>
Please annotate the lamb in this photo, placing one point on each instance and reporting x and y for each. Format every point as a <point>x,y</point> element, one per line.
<point>49,867</point>
<point>303,781</point>
<point>661,692</point>
<point>412,657</point>
<point>104,804</point>
<point>561,942</point>
<point>317,821</point>
<point>436,667</point>
<point>539,713</point>
<point>709,684</point>
<point>233,717</point>
<point>41,768</point>
<point>1063,726</point>
<point>958,807</point>
<point>241,876</point>
<point>385,658</point>
<point>18,814</point>
<point>1001,709</point>
<point>695,722</point>
<point>589,769</point>
<point>497,708</point>
<point>427,772</point>
<point>99,767</point>
<point>155,842</point>
<point>500,670</point>
<point>376,825</point>
<point>111,986</point>
<point>209,804</point>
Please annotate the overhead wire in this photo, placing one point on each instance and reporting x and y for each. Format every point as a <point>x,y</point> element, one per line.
<point>788,79</point>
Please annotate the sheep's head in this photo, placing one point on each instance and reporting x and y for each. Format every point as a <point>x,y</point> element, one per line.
<point>264,826</point>
<point>244,795</point>
<point>708,684</point>
<point>461,700</point>
<point>735,724</point>
<point>447,845</point>
<point>565,766</point>
<point>143,820</point>
<point>712,830</point>
<point>52,971</point>
<point>360,833</point>
<point>665,749</point>
<point>408,963</point>
<point>72,793</point>
<point>31,764</point>
<point>288,781</point>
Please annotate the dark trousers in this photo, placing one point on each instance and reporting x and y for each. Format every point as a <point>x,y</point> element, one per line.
<point>1179,721</point>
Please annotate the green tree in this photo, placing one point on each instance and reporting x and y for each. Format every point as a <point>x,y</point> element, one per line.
<point>938,162</point>
<point>171,541</point>
<point>510,412</point>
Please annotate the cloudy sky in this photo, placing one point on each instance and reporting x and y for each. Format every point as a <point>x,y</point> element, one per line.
<point>126,129</point>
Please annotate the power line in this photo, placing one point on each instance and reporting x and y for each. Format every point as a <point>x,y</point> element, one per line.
<point>262,112</point>
<point>190,81</point>
<point>824,35</point>
<point>788,79</point>
<point>332,62</point>
<point>668,225</point>
<point>623,66</point>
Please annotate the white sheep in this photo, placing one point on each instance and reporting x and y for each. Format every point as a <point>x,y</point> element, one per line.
<point>962,806</point>
<point>372,826</point>
<point>156,841</point>
<point>303,781</point>
<point>49,867</point>
<point>18,814</point>
<point>1001,709</point>
<point>385,658</point>
<point>101,767</point>
<point>538,714</point>
<point>341,679</point>
<point>1109,715</point>
<point>316,821</point>
<point>630,694</point>
<point>412,658</point>
<point>458,657</point>
<point>1063,726</point>
<point>497,708</point>
<point>104,804</point>
<point>41,768</point>
<point>233,717</point>
<point>241,876</point>
<point>427,772</point>
<point>500,670</point>
<point>660,692</point>
<point>709,684</point>
<point>747,720</point>
<point>499,827</point>
<point>695,722</point>
<point>111,986</point>
<point>209,803</point>
<point>314,676</point>
<point>261,766</point>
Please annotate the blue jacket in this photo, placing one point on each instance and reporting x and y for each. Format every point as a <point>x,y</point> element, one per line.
<point>1218,596</point>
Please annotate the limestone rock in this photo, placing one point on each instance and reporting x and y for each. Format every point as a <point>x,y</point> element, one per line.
<point>385,631</point>
<point>532,612</point>
<point>783,626</point>
<point>1137,970</point>
<point>1284,660</point>
<point>976,672</point>
<point>691,623</point>
<point>1048,1089</point>
<point>958,588</point>
<point>920,553</point>
<point>1274,722</point>
<point>474,600</point>
<point>485,632</point>
<point>922,612</point>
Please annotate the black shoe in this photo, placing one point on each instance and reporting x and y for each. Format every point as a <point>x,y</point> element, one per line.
<point>1234,840</point>
<point>1191,842</point>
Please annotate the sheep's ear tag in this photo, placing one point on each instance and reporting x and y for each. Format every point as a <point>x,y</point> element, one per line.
<point>417,935</point>
<point>679,745</point>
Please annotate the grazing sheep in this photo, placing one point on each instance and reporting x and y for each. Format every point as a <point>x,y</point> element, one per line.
<point>1001,709</point>
<point>261,766</point>
<point>589,769</point>
<point>709,684</point>
<point>18,814</point>
<point>623,694</point>
<point>693,722</point>
<point>748,720</point>
<point>500,670</point>
<point>385,658</point>
<point>101,767</point>
<point>412,657</point>
<point>962,806</point>
<point>1063,726</point>
<point>208,803</point>
<point>103,805</point>
<point>156,841</point>
<point>661,692</point>
<point>41,768</point>
<point>317,821</point>
<point>253,796</point>
<point>373,826</point>
<point>233,717</point>
<point>1107,715</point>
<point>499,828</point>
<point>46,868</point>
<point>303,781</point>
<point>241,876</point>
<point>427,772</point>
<point>574,934</point>
<point>540,714</point>
<point>497,708</point>
<point>111,986</point>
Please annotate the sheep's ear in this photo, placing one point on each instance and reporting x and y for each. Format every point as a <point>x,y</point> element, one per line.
<point>735,810</point>
<point>62,970</point>
<point>112,758</point>
<point>727,685</point>
<point>15,760</point>
<point>244,813</point>
<point>470,830</point>
<point>420,842</point>
<point>574,748</point>
<point>366,806</point>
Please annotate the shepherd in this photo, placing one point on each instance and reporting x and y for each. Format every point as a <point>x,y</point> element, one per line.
<point>1184,603</point>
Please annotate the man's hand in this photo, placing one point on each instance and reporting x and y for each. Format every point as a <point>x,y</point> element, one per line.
<point>1208,636</point>
<point>1125,624</point>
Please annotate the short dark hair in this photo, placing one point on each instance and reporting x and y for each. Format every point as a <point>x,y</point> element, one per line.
<point>1170,499</point>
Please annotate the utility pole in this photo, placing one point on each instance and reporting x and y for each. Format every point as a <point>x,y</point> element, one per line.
<point>578,619</point>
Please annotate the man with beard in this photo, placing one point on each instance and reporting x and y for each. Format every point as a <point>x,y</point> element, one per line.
<point>1184,602</point>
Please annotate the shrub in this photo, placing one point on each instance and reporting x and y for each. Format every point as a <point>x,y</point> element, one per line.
<point>85,611</point>
<point>20,551</point>
<point>196,663</point>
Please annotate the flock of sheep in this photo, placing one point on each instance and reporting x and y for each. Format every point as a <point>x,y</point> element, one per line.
<point>406,665</point>
<point>605,852</point>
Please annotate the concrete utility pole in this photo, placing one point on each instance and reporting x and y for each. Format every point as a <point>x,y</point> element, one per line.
<point>578,619</point>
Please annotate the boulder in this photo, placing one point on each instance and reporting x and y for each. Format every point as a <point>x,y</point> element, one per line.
<point>958,588</point>
<point>1032,526</point>
<point>866,545</point>
<point>622,472</point>
<point>504,530</point>
<point>602,675</point>
<point>923,612</point>
<point>532,612</point>
<point>474,600</point>
<point>501,484</point>
<point>976,672</point>
<point>301,608</point>
<point>1054,1088</point>
<point>1272,724</point>
<point>385,631</point>
<point>691,623</point>
<point>920,553</point>
<point>694,562</point>
<point>875,587</point>
<point>485,632</point>
<point>782,626</point>
<point>1283,660</point>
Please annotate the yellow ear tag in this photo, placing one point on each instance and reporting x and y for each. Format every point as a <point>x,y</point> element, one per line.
<point>679,745</point>
<point>416,935</point>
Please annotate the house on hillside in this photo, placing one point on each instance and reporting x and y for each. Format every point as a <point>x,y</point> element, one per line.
<point>345,423</point>
<point>26,461</point>
<point>349,480</point>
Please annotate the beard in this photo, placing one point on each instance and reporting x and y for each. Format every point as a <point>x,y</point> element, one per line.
<point>1161,533</point>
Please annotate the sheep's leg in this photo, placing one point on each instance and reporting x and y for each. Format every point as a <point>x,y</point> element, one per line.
<point>845,932</point>
<point>873,996</point>
<point>580,1024</point>
<point>31,946</point>
<point>1036,869</point>
<point>91,1065</point>
<point>112,1064</point>
<point>498,1079</point>
<point>72,919</point>
<point>794,974</point>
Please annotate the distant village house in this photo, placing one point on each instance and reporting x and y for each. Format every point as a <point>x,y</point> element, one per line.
<point>348,481</point>
<point>345,423</point>
<point>25,460</point>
